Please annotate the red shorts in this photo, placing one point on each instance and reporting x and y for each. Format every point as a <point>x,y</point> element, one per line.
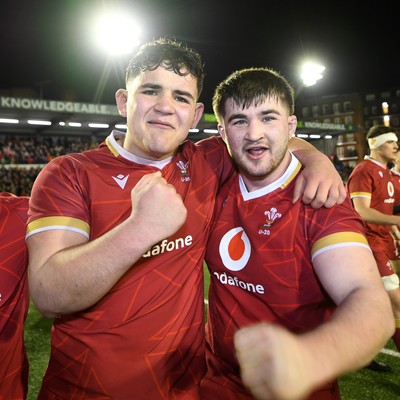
<point>382,252</point>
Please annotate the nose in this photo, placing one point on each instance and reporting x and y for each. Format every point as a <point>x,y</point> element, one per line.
<point>254,131</point>
<point>164,103</point>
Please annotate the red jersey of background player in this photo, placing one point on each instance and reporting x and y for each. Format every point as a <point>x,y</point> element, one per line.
<point>14,296</point>
<point>373,180</point>
<point>396,183</point>
<point>259,255</point>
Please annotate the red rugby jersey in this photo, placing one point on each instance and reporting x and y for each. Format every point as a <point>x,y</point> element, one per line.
<point>145,338</point>
<point>259,255</point>
<point>14,296</point>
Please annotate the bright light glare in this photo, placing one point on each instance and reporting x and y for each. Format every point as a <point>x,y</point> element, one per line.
<point>38,122</point>
<point>117,33</point>
<point>121,126</point>
<point>97,125</point>
<point>8,121</point>
<point>311,73</point>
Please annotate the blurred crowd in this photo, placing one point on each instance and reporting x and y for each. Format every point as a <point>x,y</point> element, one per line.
<point>343,169</point>
<point>21,158</point>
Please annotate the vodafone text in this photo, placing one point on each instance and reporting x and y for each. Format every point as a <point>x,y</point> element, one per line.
<point>234,281</point>
<point>172,245</point>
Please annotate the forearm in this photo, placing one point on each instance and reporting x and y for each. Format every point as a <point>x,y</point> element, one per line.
<point>373,216</point>
<point>319,184</point>
<point>276,363</point>
<point>305,151</point>
<point>353,336</point>
<point>67,275</point>
<point>78,276</point>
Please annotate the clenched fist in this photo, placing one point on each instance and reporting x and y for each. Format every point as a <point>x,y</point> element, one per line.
<point>157,209</point>
<point>272,363</point>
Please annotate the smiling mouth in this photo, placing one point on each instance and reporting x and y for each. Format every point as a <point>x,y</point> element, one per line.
<point>256,151</point>
<point>160,124</point>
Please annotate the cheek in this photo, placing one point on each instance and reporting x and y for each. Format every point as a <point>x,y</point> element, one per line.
<point>186,117</point>
<point>233,146</point>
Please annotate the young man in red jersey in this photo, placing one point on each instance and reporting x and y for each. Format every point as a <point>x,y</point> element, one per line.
<point>372,190</point>
<point>117,238</point>
<point>395,232</point>
<point>301,282</point>
<point>14,296</point>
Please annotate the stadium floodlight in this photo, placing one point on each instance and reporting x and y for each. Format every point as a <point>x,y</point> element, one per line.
<point>311,73</point>
<point>116,32</point>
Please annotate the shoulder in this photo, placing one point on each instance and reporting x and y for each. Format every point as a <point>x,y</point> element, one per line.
<point>10,200</point>
<point>212,142</point>
<point>14,207</point>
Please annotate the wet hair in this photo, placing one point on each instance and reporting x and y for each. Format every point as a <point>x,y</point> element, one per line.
<point>170,54</point>
<point>252,86</point>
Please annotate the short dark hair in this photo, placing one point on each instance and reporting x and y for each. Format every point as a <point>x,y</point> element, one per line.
<point>378,130</point>
<point>252,85</point>
<point>170,54</point>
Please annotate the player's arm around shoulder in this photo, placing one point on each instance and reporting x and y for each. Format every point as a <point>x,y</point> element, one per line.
<point>319,184</point>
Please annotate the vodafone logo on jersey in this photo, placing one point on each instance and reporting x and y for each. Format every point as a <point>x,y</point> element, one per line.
<point>390,189</point>
<point>235,249</point>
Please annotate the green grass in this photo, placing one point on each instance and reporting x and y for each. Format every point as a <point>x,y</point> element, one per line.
<point>360,385</point>
<point>37,340</point>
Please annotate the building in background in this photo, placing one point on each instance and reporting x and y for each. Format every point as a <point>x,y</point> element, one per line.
<point>335,124</point>
<point>349,116</point>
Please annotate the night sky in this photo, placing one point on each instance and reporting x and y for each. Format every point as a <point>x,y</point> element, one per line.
<point>47,44</point>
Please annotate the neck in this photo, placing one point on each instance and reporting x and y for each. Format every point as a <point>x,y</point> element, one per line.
<point>253,182</point>
<point>378,157</point>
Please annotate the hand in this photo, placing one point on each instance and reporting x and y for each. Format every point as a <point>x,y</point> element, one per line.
<point>320,183</point>
<point>156,207</point>
<point>272,363</point>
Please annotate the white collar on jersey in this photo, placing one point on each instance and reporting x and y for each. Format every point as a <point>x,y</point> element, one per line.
<point>160,164</point>
<point>369,158</point>
<point>394,170</point>
<point>281,182</point>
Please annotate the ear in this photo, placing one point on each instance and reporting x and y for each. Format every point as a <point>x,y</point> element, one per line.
<point>292,125</point>
<point>121,97</point>
<point>198,114</point>
<point>221,131</point>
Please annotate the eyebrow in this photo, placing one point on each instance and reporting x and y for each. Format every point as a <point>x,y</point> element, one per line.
<point>158,87</point>
<point>262,113</point>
